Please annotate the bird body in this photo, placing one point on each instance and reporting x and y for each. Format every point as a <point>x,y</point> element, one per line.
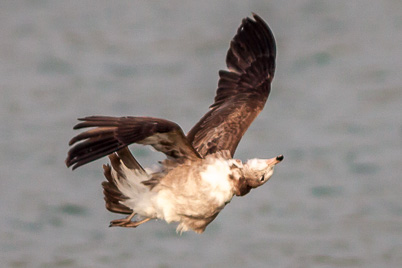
<point>192,193</point>
<point>199,176</point>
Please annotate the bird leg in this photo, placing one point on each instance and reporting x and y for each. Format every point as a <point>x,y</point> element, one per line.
<point>126,222</point>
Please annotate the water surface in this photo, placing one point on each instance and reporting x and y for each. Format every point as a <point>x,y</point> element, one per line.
<point>334,112</point>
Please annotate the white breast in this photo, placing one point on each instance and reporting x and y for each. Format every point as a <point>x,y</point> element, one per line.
<point>197,192</point>
<point>216,180</point>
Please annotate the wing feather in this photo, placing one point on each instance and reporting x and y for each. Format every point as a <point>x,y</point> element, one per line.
<point>110,134</point>
<point>242,91</point>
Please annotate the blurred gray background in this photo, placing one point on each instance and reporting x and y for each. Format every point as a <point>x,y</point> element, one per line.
<point>335,112</point>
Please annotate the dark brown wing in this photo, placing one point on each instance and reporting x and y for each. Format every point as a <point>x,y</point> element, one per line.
<point>242,91</point>
<point>109,134</point>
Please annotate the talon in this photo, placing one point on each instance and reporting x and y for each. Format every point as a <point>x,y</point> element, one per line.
<point>120,222</point>
<point>126,222</point>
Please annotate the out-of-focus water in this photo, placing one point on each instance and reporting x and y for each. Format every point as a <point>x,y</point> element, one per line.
<point>335,112</point>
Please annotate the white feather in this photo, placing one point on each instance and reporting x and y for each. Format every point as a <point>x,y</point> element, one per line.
<point>216,178</point>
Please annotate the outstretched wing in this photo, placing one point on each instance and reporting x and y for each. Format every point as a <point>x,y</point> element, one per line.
<point>242,91</point>
<point>109,134</point>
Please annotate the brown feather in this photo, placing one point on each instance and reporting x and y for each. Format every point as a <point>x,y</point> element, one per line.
<point>129,160</point>
<point>242,91</point>
<point>112,194</point>
<point>111,134</point>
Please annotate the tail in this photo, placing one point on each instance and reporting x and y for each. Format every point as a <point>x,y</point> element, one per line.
<point>123,183</point>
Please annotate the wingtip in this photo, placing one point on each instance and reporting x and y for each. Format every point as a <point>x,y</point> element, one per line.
<point>71,162</point>
<point>255,15</point>
<point>72,141</point>
<point>67,162</point>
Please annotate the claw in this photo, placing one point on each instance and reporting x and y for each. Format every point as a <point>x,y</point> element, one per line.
<point>126,222</point>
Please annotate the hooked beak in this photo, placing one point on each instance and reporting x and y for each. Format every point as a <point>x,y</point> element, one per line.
<point>274,161</point>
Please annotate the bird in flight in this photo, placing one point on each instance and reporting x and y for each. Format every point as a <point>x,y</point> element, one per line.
<point>199,175</point>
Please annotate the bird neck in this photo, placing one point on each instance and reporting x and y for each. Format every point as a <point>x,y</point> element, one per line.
<point>241,187</point>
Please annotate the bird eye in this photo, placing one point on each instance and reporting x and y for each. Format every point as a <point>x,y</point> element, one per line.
<point>262,178</point>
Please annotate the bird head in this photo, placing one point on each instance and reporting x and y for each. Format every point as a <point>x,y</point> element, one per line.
<point>258,171</point>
